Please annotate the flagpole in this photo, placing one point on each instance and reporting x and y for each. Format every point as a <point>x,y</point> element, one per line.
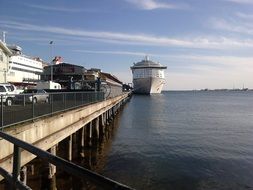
<point>51,55</point>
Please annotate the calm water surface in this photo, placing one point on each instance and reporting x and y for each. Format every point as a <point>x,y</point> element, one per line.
<point>184,140</point>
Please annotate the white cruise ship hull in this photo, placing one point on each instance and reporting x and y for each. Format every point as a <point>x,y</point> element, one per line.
<point>148,85</point>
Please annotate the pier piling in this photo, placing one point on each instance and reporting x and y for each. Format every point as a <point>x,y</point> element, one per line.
<point>70,147</point>
<point>52,168</point>
<point>97,127</point>
<point>90,134</point>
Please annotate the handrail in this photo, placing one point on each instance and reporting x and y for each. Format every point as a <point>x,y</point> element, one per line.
<point>84,99</point>
<point>65,165</point>
<point>58,102</point>
<point>20,185</point>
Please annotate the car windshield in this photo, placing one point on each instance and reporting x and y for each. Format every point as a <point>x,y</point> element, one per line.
<point>41,91</point>
<point>30,91</point>
<point>10,88</point>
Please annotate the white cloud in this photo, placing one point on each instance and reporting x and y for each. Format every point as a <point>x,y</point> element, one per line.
<point>229,61</point>
<point>112,52</point>
<point>138,39</point>
<point>211,79</point>
<point>232,25</point>
<point>245,16</point>
<point>54,8</point>
<point>218,61</point>
<point>241,1</point>
<point>59,8</point>
<point>210,72</point>
<point>153,4</point>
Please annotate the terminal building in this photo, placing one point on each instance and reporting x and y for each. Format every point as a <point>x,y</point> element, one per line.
<point>26,71</point>
<point>65,74</point>
<point>75,77</point>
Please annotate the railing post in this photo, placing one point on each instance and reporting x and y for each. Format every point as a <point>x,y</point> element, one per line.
<point>23,99</point>
<point>2,112</point>
<point>64,100</point>
<point>102,95</point>
<point>75,97</point>
<point>16,164</point>
<point>32,107</point>
<point>82,98</point>
<point>52,106</point>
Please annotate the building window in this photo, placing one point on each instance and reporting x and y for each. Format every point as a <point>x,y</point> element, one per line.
<point>1,56</point>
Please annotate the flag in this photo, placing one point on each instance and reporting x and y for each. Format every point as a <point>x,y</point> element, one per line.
<point>57,60</point>
<point>51,42</point>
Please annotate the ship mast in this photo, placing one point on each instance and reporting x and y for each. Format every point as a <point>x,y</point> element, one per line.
<point>4,32</point>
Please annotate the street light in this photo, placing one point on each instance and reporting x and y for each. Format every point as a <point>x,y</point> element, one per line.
<point>5,75</point>
<point>51,58</point>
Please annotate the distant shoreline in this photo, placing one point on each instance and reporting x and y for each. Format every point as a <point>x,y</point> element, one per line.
<point>211,90</point>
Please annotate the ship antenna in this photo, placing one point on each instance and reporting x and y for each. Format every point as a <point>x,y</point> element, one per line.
<point>4,32</point>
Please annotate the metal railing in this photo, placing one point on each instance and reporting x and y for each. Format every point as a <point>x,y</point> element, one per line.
<point>27,107</point>
<point>70,168</point>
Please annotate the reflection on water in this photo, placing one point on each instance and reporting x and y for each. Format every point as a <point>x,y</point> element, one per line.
<point>185,140</point>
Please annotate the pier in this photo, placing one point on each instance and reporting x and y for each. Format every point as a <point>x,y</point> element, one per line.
<point>41,127</point>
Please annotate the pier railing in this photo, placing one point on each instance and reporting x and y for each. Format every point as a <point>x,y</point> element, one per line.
<point>69,167</point>
<point>27,107</point>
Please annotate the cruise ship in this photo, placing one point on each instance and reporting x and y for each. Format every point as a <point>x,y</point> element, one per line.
<point>23,69</point>
<point>148,77</point>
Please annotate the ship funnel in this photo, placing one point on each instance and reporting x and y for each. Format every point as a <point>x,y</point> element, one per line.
<point>146,58</point>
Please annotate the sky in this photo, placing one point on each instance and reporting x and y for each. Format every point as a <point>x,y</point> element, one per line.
<point>203,43</point>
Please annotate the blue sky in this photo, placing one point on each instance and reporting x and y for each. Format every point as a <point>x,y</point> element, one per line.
<point>204,43</point>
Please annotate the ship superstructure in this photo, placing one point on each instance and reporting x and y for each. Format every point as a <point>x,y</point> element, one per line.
<point>148,77</point>
<point>23,69</point>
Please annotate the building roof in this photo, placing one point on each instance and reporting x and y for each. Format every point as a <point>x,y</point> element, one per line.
<point>110,77</point>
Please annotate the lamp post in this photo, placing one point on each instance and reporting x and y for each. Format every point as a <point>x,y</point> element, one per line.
<point>5,77</point>
<point>51,57</point>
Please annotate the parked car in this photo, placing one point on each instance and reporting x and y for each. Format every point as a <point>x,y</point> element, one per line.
<point>33,96</point>
<point>7,93</point>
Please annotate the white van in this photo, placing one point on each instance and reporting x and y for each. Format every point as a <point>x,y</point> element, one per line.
<point>48,85</point>
<point>7,93</point>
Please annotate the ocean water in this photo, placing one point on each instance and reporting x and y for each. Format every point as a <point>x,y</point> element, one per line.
<point>183,141</point>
